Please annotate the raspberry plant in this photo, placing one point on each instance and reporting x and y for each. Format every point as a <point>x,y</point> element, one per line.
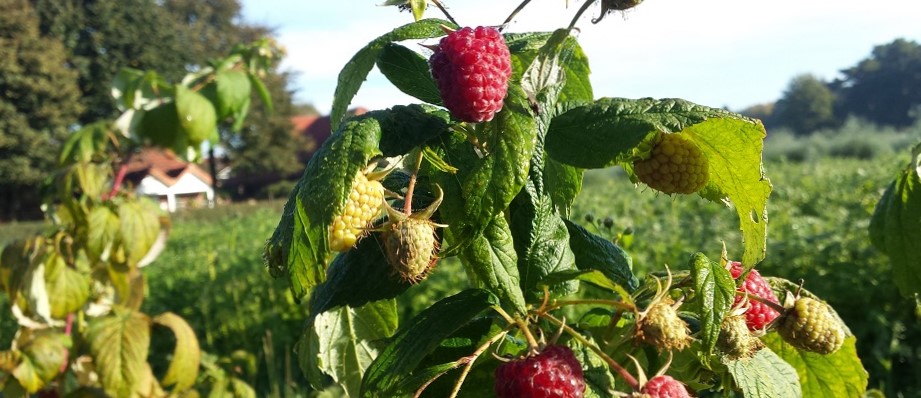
<point>535,277</point>
<point>77,289</point>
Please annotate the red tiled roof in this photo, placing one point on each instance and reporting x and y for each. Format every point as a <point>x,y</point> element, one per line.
<point>317,129</point>
<point>163,165</point>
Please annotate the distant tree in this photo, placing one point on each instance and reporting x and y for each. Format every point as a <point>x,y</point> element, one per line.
<point>763,112</point>
<point>39,100</point>
<point>807,105</point>
<point>886,87</point>
<point>106,35</point>
<point>211,28</point>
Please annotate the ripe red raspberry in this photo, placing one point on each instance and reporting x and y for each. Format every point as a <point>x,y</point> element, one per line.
<point>664,387</point>
<point>471,67</point>
<point>759,314</point>
<point>554,373</point>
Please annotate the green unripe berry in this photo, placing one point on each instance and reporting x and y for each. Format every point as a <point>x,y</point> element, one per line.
<point>811,325</point>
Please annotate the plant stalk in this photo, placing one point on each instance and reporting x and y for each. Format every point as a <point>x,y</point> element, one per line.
<point>588,3</point>
<point>444,11</point>
<point>512,15</point>
<point>576,335</point>
<point>472,358</point>
<point>408,201</point>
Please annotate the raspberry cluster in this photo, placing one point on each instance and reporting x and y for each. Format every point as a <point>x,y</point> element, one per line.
<point>471,67</point>
<point>675,165</point>
<point>363,205</point>
<point>759,315</point>
<point>554,373</point>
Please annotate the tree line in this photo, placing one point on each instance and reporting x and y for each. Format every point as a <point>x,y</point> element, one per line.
<point>58,59</point>
<point>884,88</point>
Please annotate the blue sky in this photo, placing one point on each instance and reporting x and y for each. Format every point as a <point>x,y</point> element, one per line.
<point>713,52</point>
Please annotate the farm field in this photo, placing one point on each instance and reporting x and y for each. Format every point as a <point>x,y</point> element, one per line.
<point>212,272</point>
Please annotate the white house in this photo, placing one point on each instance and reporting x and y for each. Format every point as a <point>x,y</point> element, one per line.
<point>175,183</point>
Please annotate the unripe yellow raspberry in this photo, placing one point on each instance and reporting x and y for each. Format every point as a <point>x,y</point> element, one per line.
<point>810,325</point>
<point>362,207</point>
<point>411,247</point>
<point>676,165</point>
<point>735,341</point>
<point>660,327</point>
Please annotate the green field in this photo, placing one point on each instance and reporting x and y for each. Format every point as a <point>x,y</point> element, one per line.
<point>212,272</point>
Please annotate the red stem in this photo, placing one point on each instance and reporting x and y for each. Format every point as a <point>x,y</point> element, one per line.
<point>68,329</point>
<point>119,178</point>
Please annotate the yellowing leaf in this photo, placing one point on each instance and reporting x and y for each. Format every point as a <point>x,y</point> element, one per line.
<point>119,342</point>
<point>183,369</point>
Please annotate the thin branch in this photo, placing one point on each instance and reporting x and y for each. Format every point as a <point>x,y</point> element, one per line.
<point>472,358</point>
<point>609,303</point>
<point>581,339</point>
<point>588,3</point>
<point>408,201</point>
<point>512,15</point>
<point>444,11</point>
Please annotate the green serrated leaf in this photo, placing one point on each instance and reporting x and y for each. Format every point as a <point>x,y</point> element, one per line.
<point>766,375</point>
<point>119,343</point>
<point>835,375</point>
<point>68,289</point>
<point>606,132</point>
<point>183,368</point>
<point>596,253</point>
<point>419,337</point>
<point>542,240</point>
<point>733,145</point>
<point>492,260</point>
<point>409,72</point>
<point>525,48</point>
<point>160,126</point>
<point>85,145</point>
<point>489,187</point>
<point>298,248</point>
<point>233,90</point>
<point>139,229</point>
<point>714,293</point>
<point>103,226</point>
<point>356,277</point>
<point>895,229</point>
<point>342,343</point>
<point>406,127</point>
<point>92,178</point>
<point>197,117</point>
<point>563,182</point>
<point>125,87</point>
<point>356,70</point>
